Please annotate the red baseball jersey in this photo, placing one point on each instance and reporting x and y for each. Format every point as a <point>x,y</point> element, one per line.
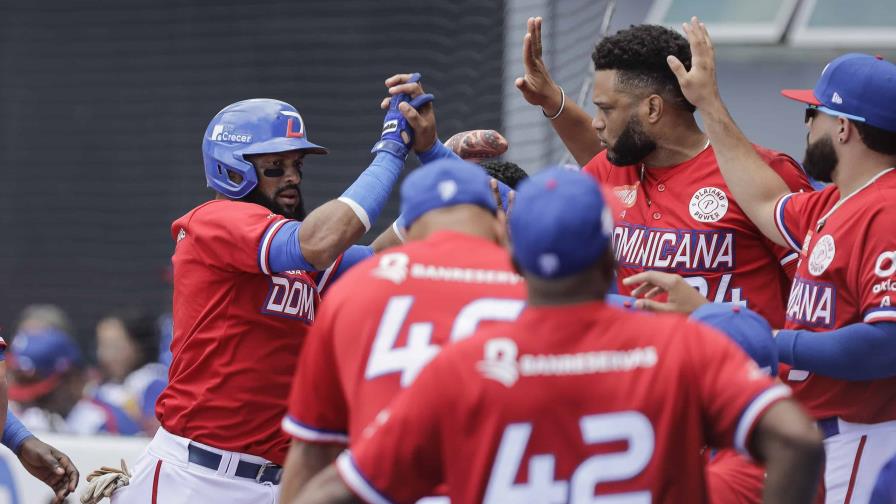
<point>568,402</point>
<point>846,274</point>
<point>386,320</point>
<point>682,219</point>
<point>237,330</point>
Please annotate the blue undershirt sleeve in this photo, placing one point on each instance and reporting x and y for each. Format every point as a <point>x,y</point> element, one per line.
<point>856,352</point>
<point>367,195</point>
<point>14,433</point>
<point>285,253</point>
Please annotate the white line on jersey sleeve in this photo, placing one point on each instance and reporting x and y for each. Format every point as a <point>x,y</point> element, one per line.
<point>879,314</point>
<point>782,227</point>
<point>356,481</point>
<point>789,258</point>
<point>265,248</point>
<point>751,414</point>
<point>305,433</point>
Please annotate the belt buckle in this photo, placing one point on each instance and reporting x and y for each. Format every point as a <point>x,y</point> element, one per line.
<point>261,470</point>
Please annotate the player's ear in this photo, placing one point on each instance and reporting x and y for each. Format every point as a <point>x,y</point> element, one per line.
<point>500,230</point>
<point>845,130</point>
<point>654,104</point>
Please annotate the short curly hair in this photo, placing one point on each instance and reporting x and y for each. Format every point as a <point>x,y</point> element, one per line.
<point>639,53</point>
<point>504,171</point>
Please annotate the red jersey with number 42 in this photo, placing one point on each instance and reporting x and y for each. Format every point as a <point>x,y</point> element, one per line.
<point>237,330</point>
<point>384,322</point>
<point>567,403</point>
<point>682,219</point>
<point>846,274</point>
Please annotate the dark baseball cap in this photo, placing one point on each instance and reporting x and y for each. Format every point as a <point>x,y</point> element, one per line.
<point>445,183</point>
<point>745,327</point>
<point>40,357</point>
<point>856,86</point>
<point>559,224</point>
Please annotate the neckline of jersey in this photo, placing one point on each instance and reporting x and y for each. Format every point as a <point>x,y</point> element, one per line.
<point>667,170</point>
<point>821,222</point>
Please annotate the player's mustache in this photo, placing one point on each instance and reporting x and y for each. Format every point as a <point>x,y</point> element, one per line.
<point>287,188</point>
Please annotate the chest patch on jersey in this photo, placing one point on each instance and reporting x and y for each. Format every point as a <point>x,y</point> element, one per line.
<point>822,255</point>
<point>708,204</point>
<point>627,194</point>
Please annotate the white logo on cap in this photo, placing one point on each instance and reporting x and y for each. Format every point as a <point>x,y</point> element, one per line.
<point>447,189</point>
<point>836,98</point>
<point>548,263</point>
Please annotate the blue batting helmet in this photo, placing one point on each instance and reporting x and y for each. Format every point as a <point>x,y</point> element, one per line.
<point>256,126</point>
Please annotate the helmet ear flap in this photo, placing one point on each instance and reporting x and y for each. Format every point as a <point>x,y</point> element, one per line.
<point>233,178</point>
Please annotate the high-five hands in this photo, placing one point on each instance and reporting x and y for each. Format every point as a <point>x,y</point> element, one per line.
<point>698,84</point>
<point>537,86</point>
<point>412,110</point>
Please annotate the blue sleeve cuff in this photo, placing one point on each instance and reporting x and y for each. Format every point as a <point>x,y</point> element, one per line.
<point>785,339</point>
<point>281,252</point>
<point>14,433</point>
<point>437,151</point>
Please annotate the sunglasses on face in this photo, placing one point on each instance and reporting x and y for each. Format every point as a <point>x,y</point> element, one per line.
<point>811,112</point>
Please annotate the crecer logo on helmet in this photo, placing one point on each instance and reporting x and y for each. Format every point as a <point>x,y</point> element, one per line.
<point>224,133</point>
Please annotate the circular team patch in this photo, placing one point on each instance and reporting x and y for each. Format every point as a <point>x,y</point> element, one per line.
<point>709,204</point>
<point>822,255</point>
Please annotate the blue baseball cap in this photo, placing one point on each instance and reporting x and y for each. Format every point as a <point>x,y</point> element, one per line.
<point>856,86</point>
<point>445,183</point>
<point>559,224</point>
<point>41,357</point>
<point>746,328</point>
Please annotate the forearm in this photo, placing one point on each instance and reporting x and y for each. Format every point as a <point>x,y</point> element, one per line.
<point>754,185</point>
<point>789,444</point>
<point>303,462</point>
<point>573,126</point>
<point>834,353</point>
<point>391,237</point>
<point>14,433</point>
<point>333,227</point>
<point>326,488</point>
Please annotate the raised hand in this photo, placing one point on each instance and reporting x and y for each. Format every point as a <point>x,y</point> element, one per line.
<point>416,109</point>
<point>698,84</point>
<point>681,296</point>
<point>537,86</point>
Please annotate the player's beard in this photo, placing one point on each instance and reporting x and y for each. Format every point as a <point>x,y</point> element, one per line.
<point>256,196</point>
<point>820,159</point>
<point>632,145</point>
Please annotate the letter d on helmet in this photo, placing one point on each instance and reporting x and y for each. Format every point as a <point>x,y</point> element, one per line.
<point>256,126</point>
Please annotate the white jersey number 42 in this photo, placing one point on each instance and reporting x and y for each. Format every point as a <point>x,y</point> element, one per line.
<point>385,358</point>
<point>630,426</point>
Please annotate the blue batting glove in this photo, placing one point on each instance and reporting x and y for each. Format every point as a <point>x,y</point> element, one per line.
<point>398,136</point>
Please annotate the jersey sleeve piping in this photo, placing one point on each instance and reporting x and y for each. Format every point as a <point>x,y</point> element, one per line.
<point>792,241</point>
<point>304,432</point>
<point>789,258</point>
<point>880,314</point>
<point>752,413</point>
<point>264,250</point>
<point>356,481</point>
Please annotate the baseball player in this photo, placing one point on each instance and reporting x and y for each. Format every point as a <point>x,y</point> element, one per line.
<point>390,315</point>
<point>575,400</point>
<point>249,269</point>
<point>839,341</point>
<point>40,459</point>
<point>644,145</point>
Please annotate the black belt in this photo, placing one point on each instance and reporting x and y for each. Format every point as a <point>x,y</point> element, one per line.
<point>829,427</point>
<point>262,473</point>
